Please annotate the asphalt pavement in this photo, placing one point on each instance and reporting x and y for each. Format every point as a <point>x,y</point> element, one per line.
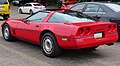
<point>20,53</point>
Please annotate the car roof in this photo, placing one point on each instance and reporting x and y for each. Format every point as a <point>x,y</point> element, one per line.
<point>33,3</point>
<point>60,10</point>
<point>100,3</point>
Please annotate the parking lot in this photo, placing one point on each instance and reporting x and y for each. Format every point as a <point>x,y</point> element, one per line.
<point>20,53</point>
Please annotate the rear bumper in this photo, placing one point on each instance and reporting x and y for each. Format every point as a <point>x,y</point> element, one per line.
<point>36,10</point>
<point>86,42</point>
<point>4,12</point>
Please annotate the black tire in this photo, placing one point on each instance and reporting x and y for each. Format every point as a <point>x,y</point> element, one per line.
<point>50,46</point>
<point>91,48</point>
<point>5,17</point>
<point>20,11</point>
<point>31,12</point>
<point>20,4</point>
<point>14,4</point>
<point>7,33</point>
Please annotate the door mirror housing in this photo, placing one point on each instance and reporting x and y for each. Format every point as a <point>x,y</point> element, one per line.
<point>25,20</point>
<point>97,17</point>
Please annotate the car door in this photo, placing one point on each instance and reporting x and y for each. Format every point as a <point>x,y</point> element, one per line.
<point>94,10</point>
<point>26,8</point>
<point>29,28</point>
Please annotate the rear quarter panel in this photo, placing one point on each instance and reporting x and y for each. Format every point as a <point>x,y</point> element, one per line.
<point>58,28</point>
<point>60,31</point>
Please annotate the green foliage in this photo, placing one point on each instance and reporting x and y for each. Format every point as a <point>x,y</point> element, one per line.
<point>10,1</point>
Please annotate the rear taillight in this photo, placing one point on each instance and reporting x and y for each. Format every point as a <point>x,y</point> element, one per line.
<point>80,31</point>
<point>87,30</point>
<point>83,31</point>
<point>112,28</point>
<point>44,7</point>
<point>36,7</point>
<point>9,7</point>
<point>109,28</point>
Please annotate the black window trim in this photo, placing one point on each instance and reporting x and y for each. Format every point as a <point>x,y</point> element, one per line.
<point>25,19</point>
<point>79,4</point>
<point>94,4</point>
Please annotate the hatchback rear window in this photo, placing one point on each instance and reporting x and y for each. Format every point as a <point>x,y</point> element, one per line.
<point>3,2</point>
<point>37,4</point>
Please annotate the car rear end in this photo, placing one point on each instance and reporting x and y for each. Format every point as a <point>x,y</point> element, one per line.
<point>38,7</point>
<point>16,2</point>
<point>91,35</point>
<point>4,9</point>
<point>66,6</point>
<point>69,1</point>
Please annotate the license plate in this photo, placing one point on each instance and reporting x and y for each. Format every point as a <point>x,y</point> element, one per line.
<point>98,35</point>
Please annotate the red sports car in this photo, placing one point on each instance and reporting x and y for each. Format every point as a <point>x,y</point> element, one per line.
<point>55,31</point>
<point>67,6</point>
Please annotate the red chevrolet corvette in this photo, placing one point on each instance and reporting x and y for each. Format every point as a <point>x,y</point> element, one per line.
<point>55,31</point>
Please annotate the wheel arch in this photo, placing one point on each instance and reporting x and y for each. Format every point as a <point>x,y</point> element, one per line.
<point>46,31</point>
<point>30,9</point>
<point>10,34</point>
<point>3,25</point>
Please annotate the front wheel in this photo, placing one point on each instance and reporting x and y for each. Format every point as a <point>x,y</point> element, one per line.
<point>6,33</point>
<point>50,46</point>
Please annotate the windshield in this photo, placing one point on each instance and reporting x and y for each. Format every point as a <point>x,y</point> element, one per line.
<point>114,7</point>
<point>37,4</point>
<point>3,2</point>
<point>69,17</point>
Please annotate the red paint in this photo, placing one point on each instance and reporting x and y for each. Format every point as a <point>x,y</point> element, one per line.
<point>79,35</point>
<point>69,2</point>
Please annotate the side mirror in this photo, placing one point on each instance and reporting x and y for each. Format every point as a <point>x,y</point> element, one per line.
<point>97,17</point>
<point>24,20</point>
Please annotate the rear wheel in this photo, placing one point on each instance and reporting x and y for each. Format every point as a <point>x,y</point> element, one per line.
<point>6,33</point>
<point>31,12</point>
<point>50,46</point>
<point>20,11</point>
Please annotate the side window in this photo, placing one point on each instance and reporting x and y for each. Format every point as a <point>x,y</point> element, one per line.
<point>38,17</point>
<point>26,5</point>
<point>56,17</point>
<point>78,7</point>
<point>29,5</point>
<point>101,10</point>
<point>92,8</point>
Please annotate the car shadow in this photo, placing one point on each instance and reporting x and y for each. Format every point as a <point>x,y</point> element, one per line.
<point>1,19</point>
<point>70,54</point>
<point>81,53</point>
<point>67,57</point>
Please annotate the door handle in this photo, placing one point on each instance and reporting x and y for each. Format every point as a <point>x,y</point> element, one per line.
<point>37,25</point>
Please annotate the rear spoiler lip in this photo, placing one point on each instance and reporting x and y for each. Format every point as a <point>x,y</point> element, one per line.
<point>61,10</point>
<point>53,9</point>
